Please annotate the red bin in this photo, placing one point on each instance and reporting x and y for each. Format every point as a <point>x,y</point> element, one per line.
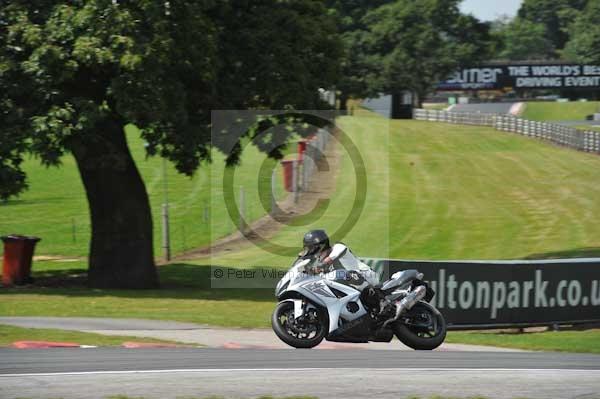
<point>301,149</point>
<point>288,174</point>
<point>18,253</point>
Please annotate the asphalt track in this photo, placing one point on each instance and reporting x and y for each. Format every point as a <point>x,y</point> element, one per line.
<point>186,372</point>
<point>493,108</point>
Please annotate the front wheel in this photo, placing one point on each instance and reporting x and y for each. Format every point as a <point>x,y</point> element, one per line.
<point>423,327</point>
<point>303,332</point>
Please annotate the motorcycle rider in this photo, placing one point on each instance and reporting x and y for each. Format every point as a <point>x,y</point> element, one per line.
<point>340,259</point>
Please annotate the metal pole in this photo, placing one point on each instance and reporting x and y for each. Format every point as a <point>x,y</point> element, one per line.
<point>305,171</point>
<point>295,180</point>
<point>205,214</point>
<point>165,215</point>
<point>273,200</point>
<point>165,232</point>
<point>165,185</point>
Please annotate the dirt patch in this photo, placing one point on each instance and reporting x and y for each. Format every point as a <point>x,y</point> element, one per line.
<point>321,185</point>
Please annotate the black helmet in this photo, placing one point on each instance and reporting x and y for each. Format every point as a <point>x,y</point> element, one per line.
<point>315,241</point>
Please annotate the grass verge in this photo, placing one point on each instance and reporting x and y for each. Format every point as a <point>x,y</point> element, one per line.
<point>554,341</point>
<point>10,334</point>
<point>186,295</point>
<point>558,111</point>
<point>594,128</point>
<point>55,207</point>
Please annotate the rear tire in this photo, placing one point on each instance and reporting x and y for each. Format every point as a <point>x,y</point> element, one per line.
<point>421,337</point>
<point>291,332</point>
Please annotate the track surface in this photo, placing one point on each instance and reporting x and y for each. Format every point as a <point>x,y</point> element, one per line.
<point>198,373</point>
<point>494,108</point>
<point>214,337</point>
<point>115,359</point>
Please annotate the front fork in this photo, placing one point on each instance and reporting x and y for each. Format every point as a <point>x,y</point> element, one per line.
<point>302,309</point>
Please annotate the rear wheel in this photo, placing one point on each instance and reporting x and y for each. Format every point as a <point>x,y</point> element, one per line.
<point>304,332</point>
<point>423,327</point>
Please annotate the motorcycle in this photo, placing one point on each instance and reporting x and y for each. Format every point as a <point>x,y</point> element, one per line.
<point>316,306</point>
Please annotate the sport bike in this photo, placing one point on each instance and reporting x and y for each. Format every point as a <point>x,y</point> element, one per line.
<point>339,306</point>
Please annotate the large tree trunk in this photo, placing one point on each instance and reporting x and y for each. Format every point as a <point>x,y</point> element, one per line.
<point>343,101</point>
<point>121,254</point>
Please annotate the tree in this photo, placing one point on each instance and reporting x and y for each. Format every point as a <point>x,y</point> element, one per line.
<point>275,54</point>
<point>417,44</point>
<point>355,65</point>
<point>522,39</point>
<point>584,43</point>
<point>554,15</point>
<point>73,74</point>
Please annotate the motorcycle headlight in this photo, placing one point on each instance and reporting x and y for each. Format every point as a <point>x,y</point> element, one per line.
<point>281,286</point>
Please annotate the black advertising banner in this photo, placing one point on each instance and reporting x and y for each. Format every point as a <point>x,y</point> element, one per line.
<point>507,76</point>
<point>511,293</point>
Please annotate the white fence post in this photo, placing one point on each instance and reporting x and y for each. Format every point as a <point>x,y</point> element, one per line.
<point>567,136</point>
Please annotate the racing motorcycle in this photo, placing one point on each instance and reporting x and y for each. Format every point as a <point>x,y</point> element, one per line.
<point>315,306</point>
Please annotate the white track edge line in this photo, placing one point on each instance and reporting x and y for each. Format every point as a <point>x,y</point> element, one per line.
<point>423,369</point>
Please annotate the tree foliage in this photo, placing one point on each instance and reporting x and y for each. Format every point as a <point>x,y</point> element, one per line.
<point>556,17</point>
<point>67,67</point>
<point>73,73</point>
<point>584,43</point>
<point>521,39</point>
<point>356,68</point>
<point>159,65</point>
<point>417,44</point>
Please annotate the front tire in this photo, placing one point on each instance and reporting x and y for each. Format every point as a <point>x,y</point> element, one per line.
<point>426,329</point>
<point>294,332</point>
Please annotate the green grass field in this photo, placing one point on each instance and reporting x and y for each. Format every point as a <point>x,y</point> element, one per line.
<point>185,296</point>
<point>55,206</point>
<point>594,128</point>
<point>557,111</point>
<point>558,341</point>
<point>10,334</point>
<point>441,191</point>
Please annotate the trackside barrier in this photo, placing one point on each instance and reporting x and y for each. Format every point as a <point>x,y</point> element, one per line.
<point>581,140</point>
<point>519,293</point>
<point>479,294</point>
<point>313,152</point>
<point>297,172</point>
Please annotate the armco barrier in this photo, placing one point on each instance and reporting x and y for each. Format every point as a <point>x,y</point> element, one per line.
<point>491,294</point>
<point>582,140</point>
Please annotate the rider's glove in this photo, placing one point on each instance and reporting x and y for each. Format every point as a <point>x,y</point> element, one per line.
<point>319,267</point>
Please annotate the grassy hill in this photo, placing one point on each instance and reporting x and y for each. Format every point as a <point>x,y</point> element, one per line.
<point>434,191</point>
<point>55,206</point>
<point>556,111</point>
<point>441,191</point>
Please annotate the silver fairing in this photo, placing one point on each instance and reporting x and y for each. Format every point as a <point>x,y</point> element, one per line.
<point>317,289</point>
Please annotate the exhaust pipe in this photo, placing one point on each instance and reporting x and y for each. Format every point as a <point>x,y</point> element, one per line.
<point>406,303</point>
